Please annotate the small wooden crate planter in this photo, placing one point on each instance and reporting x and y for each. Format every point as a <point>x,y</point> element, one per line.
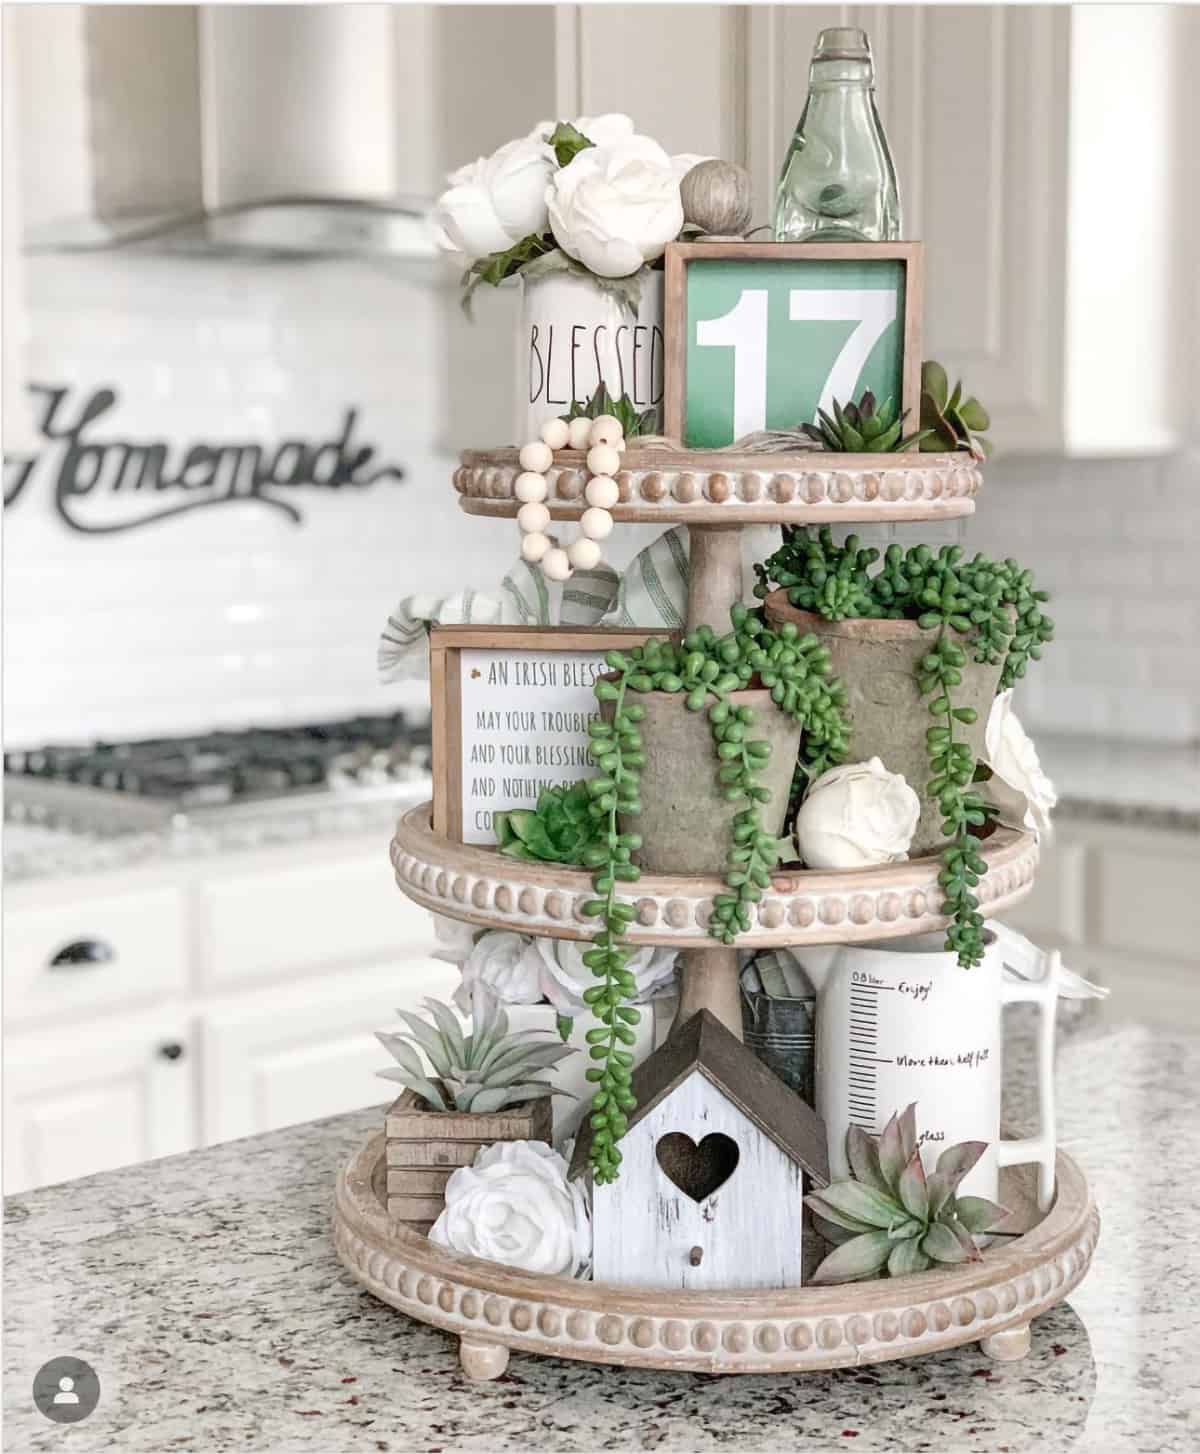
<point>425,1148</point>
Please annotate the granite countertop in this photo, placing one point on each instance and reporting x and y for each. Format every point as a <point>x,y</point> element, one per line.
<point>205,1292</point>
<point>1141,784</point>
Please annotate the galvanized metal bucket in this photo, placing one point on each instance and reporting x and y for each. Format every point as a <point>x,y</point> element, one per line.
<point>781,1027</point>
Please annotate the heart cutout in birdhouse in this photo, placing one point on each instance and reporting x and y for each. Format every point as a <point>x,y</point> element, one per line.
<point>697,1171</point>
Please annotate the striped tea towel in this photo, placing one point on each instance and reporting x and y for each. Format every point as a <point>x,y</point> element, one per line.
<point>652,592</point>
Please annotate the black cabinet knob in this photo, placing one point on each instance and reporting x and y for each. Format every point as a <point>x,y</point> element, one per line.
<point>83,952</point>
<point>172,1050</point>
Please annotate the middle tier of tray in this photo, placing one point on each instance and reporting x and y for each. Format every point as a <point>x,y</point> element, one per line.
<point>664,482</point>
<point>803,906</point>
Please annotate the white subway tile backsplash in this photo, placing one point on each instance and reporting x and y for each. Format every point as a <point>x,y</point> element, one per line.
<point>235,615</point>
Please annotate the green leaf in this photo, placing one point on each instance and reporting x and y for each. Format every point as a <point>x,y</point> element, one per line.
<point>564,1024</point>
<point>906,1258</point>
<point>974,415</point>
<point>862,1257</point>
<point>402,1052</point>
<point>862,1205</point>
<point>863,1156</point>
<point>935,382</point>
<point>429,1041</point>
<point>913,1191</point>
<point>892,1159</point>
<point>418,1083</point>
<point>496,266</point>
<point>908,1130</point>
<point>567,142</point>
<point>942,1245</point>
<point>977,1214</point>
<point>448,1023</point>
<point>954,1163</point>
<point>832,1233</point>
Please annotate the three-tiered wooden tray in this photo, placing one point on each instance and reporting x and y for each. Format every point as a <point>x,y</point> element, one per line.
<point>493,1308</point>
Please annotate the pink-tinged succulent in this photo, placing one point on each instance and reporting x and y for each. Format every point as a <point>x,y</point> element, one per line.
<point>890,1218</point>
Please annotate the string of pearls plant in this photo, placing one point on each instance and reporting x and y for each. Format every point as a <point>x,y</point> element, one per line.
<point>705,669</point>
<point>604,440</point>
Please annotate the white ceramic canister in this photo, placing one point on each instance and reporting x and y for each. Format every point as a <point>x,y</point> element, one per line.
<point>900,1021</point>
<point>573,334</point>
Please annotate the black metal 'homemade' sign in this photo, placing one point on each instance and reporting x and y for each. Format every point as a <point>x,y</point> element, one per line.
<point>101,486</point>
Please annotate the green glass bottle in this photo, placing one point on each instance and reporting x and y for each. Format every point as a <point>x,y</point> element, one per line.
<point>838,182</point>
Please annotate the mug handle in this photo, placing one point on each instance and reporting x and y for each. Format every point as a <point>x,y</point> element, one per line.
<point>1030,974</point>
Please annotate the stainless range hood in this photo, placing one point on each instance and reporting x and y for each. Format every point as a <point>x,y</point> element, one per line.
<point>269,132</point>
<point>280,228</point>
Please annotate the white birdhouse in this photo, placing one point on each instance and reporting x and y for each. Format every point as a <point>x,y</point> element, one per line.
<point>716,1162</point>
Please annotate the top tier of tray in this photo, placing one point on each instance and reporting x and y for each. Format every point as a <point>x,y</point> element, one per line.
<point>661,481</point>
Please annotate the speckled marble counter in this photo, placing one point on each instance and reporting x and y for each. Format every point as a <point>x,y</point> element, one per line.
<point>205,1292</point>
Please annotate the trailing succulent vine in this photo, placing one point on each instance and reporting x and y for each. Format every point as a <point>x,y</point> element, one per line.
<point>988,609</point>
<point>705,669</point>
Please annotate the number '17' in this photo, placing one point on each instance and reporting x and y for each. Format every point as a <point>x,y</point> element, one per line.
<point>744,329</point>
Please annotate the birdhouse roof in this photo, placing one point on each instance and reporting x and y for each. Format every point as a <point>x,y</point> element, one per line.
<point>703,1044</point>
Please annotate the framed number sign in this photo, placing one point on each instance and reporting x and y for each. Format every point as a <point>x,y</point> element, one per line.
<point>760,335</point>
<point>511,707</point>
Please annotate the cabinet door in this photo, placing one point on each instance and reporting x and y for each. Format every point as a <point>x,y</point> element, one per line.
<point>92,1097</point>
<point>274,1059</point>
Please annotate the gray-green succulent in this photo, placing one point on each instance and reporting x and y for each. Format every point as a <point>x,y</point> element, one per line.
<point>482,1072</point>
<point>891,1219</point>
<point>948,421</point>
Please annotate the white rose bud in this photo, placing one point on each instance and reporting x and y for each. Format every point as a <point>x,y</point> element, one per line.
<point>616,205</point>
<point>495,201</point>
<point>857,815</point>
<point>516,1206</point>
<point>499,961</point>
<point>563,976</point>
<point>1013,759</point>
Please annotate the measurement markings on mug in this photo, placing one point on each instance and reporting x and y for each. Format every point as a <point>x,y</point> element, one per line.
<point>864,1057</point>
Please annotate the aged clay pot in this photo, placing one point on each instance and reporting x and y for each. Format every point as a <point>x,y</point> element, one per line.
<point>685,822</point>
<point>878,661</point>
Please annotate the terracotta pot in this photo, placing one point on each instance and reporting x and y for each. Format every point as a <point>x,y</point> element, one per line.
<point>686,824</point>
<point>878,662</point>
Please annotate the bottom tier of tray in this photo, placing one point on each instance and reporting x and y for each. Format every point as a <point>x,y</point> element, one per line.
<point>493,1309</point>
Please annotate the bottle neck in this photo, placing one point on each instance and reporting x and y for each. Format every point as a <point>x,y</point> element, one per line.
<point>840,75</point>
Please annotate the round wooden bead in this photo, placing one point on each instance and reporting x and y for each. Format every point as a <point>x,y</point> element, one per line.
<point>602,459</point>
<point>534,546</point>
<point>596,524</point>
<point>716,198</point>
<point>556,565</point>
<point>579,432</point>
<point>606,430</point>
<point>602,490</point>
<point>555,434</point>
<point>530,486</point>
<point>584,553</point>
<point>533,517</point>
<point>536,456</point>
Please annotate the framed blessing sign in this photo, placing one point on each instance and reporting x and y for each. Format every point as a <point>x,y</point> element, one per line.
<point>511,707</point>
<point>760,335</point>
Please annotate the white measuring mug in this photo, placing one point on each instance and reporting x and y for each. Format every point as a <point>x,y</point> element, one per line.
<point>900,1021</point>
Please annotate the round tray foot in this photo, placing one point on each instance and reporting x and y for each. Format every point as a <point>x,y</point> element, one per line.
<point>484,1360</point>
<point>1008,1345</point>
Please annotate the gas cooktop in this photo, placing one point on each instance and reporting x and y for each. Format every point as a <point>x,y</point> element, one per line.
<point>175,781</point>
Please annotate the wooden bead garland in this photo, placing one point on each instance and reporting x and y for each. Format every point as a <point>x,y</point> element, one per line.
<point>604,440</point>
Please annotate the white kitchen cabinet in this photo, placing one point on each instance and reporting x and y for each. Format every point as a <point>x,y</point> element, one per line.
<point>269,969</point>
<point>271,1060</point>
<point>95,1095</point>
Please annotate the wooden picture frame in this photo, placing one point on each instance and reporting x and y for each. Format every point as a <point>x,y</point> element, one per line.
<point>446,647</point>
<point>752,402</point>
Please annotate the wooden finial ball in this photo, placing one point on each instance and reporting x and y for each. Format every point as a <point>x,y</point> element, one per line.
<point>717,198</point>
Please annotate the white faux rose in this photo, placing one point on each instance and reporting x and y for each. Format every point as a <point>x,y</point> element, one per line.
<point>515,1205</point>
<point>495,201</point>
<point>1013,759</point>
<point>455,940</point>
<point>499,960</point>
<point>616,206</point>
<point>563,976</point>
<point>857,815</point>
